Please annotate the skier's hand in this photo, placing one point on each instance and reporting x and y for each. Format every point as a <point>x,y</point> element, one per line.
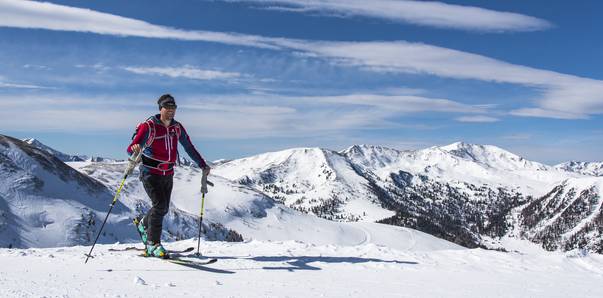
<point>206,171</point>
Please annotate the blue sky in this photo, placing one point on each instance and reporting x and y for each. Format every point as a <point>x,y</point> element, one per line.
<point>256,76</point>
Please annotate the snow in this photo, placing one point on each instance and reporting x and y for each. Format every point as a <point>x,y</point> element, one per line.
<point>307,177</point>
<point>286,253</point>
<point>585,168</point>
<point>297,269</point>
<point>460,163</point>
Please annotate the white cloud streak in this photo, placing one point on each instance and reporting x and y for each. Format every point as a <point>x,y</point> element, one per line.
<point>186,71</point>
<point>423,13</point>
<point>22,86</point>
<point>223,116</point>
<point>477,119</point>
<point>44,15</point>
<point>563,96</point>
<point>398,103</point>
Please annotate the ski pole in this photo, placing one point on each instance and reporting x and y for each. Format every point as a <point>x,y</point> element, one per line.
<point>204,182</point>
<point>132,162</point>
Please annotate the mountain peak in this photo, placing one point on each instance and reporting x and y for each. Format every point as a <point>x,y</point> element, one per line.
<point>492,156</point>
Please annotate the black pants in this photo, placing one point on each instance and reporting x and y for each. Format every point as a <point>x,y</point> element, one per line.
<point>159,189</point>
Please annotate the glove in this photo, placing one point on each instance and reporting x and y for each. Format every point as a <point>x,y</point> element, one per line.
<point>204,181</point>
<point>132,162</point>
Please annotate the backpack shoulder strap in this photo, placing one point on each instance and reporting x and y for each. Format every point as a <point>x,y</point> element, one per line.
<point>151,125</point>
<point>178,129</point>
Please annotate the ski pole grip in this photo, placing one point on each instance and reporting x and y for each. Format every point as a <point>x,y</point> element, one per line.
<point>133,161</point>
<point>205,182</point>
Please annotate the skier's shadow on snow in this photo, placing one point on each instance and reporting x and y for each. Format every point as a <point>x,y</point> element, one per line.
<point>303,262</point>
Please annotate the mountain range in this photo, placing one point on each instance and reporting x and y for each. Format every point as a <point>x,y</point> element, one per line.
<point>471,195</point>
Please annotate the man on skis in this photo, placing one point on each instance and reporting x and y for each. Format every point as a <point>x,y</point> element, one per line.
<point>158,139</point>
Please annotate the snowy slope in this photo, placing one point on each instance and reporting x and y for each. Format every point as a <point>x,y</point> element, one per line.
<point>58,154</point>
<point>253,214</point>
<point>585,168</point>
<point>469,194</point>
<point>461,163</point>
<point>46,203</point>
<point>313,180</point>
<point>462,192</point>
<point>63,156</point>
<point>295,269</point>
<point>568,217</point>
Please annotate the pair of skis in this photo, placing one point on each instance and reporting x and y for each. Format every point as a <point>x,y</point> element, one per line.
<point>176,256</point>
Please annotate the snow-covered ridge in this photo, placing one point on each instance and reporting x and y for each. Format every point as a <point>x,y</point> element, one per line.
<point>46,203</point>
<point>63,156</point>
<point>364,183</point>
<point>60,155</point>
<point>314,180</point>
<point>480,185</point>
<point>585,168</point>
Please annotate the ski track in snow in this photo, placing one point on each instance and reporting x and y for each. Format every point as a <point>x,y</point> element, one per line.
<point>297,269</point>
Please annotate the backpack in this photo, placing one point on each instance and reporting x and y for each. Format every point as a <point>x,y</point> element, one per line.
<point>150,123</point>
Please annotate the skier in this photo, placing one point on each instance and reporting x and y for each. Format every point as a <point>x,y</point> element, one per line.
<point>158,139</point>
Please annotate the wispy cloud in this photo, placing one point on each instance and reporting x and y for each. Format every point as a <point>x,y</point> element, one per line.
<point>477,119</point>
<point>22,86</point>
<point>517,137</point>
<point>544,113</point>
<point>236,116</point>
<point>398,103</point>
<point>186,71</point>
<point>563,96</point>
<point>44,15</point>
<point>423,13</point>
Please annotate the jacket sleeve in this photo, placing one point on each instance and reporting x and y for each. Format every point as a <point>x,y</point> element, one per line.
<point>185,141</point>
<point>141,136</point>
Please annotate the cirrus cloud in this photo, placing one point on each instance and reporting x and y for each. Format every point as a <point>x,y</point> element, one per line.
<point>423,13</point>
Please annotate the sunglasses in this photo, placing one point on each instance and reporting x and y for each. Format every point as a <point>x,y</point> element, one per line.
<point>171,106</point>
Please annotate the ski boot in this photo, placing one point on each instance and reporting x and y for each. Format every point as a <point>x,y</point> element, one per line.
<point>142,231</point>
<point>156,250</point>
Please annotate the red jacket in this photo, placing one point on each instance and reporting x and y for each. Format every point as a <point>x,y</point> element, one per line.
<point>160,145</point>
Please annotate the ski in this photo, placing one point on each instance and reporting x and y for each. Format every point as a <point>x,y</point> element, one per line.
<point>133,248</point>
<point>178,258</point>
<point>180,261</point>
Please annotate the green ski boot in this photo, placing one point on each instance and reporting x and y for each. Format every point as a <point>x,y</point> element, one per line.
<point>156,250</point>
<point>141,229</point>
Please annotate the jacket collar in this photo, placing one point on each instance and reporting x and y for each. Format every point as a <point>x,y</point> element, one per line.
<point>157,119</point>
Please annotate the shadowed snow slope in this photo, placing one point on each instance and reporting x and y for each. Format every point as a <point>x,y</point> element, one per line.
<point>46,203</point>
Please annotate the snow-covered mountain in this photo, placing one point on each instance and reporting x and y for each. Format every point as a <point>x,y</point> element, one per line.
<point>472,195</point>
<point>464,193</point>
<point>314,180</point>
<point>63,156</point>
<point>585,168</point>
<point>568,217</point>
<point>45,203</point>
<point>58,154</point>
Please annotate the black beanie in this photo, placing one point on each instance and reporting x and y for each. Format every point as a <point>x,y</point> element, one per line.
<point>166,100</point>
